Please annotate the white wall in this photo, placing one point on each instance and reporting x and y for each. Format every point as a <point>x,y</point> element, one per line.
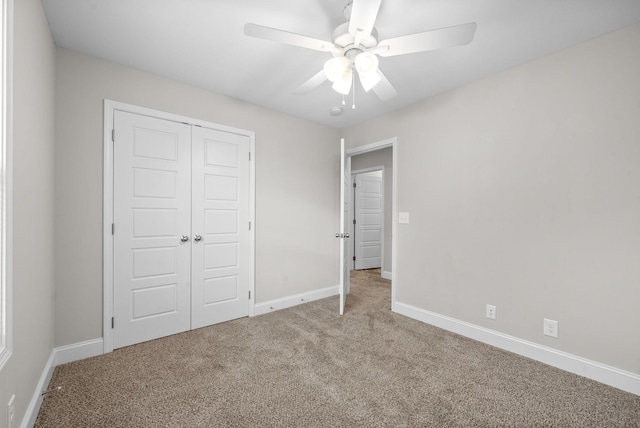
<point>523,190</point>
<point>376,158</point>
<point>296,186</point>
<point>33,206</point>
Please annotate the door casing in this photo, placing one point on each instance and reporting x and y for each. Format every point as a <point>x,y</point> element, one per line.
<point>107,285</point>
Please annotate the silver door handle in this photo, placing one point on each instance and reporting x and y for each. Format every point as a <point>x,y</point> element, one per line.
<point>338,235</point>
<point>184,238</point>
<point>197,238</point>
<point>346,235</point>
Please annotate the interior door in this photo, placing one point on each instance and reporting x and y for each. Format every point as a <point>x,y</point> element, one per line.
<point>220,249</point>
<point>152,206</point>
<point>343,235</point>
<point>369,218</point>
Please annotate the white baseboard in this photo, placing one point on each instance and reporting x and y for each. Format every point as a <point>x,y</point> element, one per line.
<point>31,413</point>
<point>386,275</point>
<point>61,355</point>
<point>603,373</point>
<point>78,351</point>
<point>297,299</point>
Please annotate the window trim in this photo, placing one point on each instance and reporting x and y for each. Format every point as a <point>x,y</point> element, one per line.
<point>6,174</point>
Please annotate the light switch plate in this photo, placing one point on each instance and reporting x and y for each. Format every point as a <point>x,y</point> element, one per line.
<point>403,218</point>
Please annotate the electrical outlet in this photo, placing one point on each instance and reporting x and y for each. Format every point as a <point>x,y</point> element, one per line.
<point>491,312</point>
<point>550,328</point>
<point>11,412</point>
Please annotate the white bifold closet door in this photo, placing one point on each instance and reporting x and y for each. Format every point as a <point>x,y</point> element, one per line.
<point>181,207</point>
<point>220,195</point>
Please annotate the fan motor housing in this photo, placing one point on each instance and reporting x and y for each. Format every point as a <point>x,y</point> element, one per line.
<point>344,40</point>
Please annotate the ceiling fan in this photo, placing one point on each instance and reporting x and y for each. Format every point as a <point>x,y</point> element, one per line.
<point>355,48</point>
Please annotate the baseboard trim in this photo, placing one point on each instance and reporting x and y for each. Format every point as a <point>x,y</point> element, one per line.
<point>31,413</point>
<point>386,275</point>
<point>78,351</point>
<point>612,376</point>
<point>296,299</point>
<point>61,355</point>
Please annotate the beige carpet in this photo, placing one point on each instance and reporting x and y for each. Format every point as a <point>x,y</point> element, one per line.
<point>309,367</point>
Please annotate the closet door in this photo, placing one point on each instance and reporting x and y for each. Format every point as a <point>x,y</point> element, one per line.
<point>220,227</point>
<point>152,210</point>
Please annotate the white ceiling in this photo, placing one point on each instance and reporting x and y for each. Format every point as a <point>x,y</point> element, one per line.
<point>201,42</point>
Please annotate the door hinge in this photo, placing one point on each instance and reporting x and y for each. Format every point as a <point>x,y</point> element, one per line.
<point>354,184</point>
<point>354,221</point>
<point>113,322</point>
<point>113,135</point>
<point>249,294</point>
<point>249,225</point>
<point>113,228</point>
<point>354,258</point>
<point>249,156</point>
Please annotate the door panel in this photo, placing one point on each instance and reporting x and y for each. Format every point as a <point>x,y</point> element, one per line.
<point>152,169</point>
<point>220,189</point>
<point>369,218</point>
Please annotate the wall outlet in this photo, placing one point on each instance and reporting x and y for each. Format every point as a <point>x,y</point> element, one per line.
<point>550,328</point>
<point>491,312</point>
<point>11,411</point>
<point>403,218</point>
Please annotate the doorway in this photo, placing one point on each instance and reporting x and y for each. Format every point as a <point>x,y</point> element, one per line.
<point>380,155</point>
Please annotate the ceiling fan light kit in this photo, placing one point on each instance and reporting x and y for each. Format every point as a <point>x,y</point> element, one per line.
<point>355,48</point>
<point>344,83</point>
<point>335,68</point>
<point>366,63</point>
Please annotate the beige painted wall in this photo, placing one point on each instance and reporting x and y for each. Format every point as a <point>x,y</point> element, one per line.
<point>376,158</point>
<point>296,186</point>
<point>33,207</point>
<point>523,193</point>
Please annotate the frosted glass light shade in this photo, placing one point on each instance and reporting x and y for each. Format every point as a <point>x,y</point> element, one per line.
<point>343,84</point>
<point>366,63</point>
<point>335,68</point>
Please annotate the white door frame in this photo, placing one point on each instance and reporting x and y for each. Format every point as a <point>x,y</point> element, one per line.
<point>352,215</point>
<point>393,143</point>
<point>107,236</point>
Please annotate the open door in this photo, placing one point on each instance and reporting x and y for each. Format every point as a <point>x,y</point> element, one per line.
<point>343,235</point>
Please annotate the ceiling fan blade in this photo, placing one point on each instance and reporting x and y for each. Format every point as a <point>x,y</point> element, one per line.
<point>312,83</point>
<point>384,89</point>
<point>363,17</point>
<point>429,40</point>
<point>268,33</point>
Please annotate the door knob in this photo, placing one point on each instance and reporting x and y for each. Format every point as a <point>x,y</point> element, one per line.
<point>337,235</point>
<point>197,238</point>
<point>184,238</point>
<point>346,235</point>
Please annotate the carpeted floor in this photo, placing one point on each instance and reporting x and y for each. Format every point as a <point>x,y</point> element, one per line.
<point>309,367</point>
